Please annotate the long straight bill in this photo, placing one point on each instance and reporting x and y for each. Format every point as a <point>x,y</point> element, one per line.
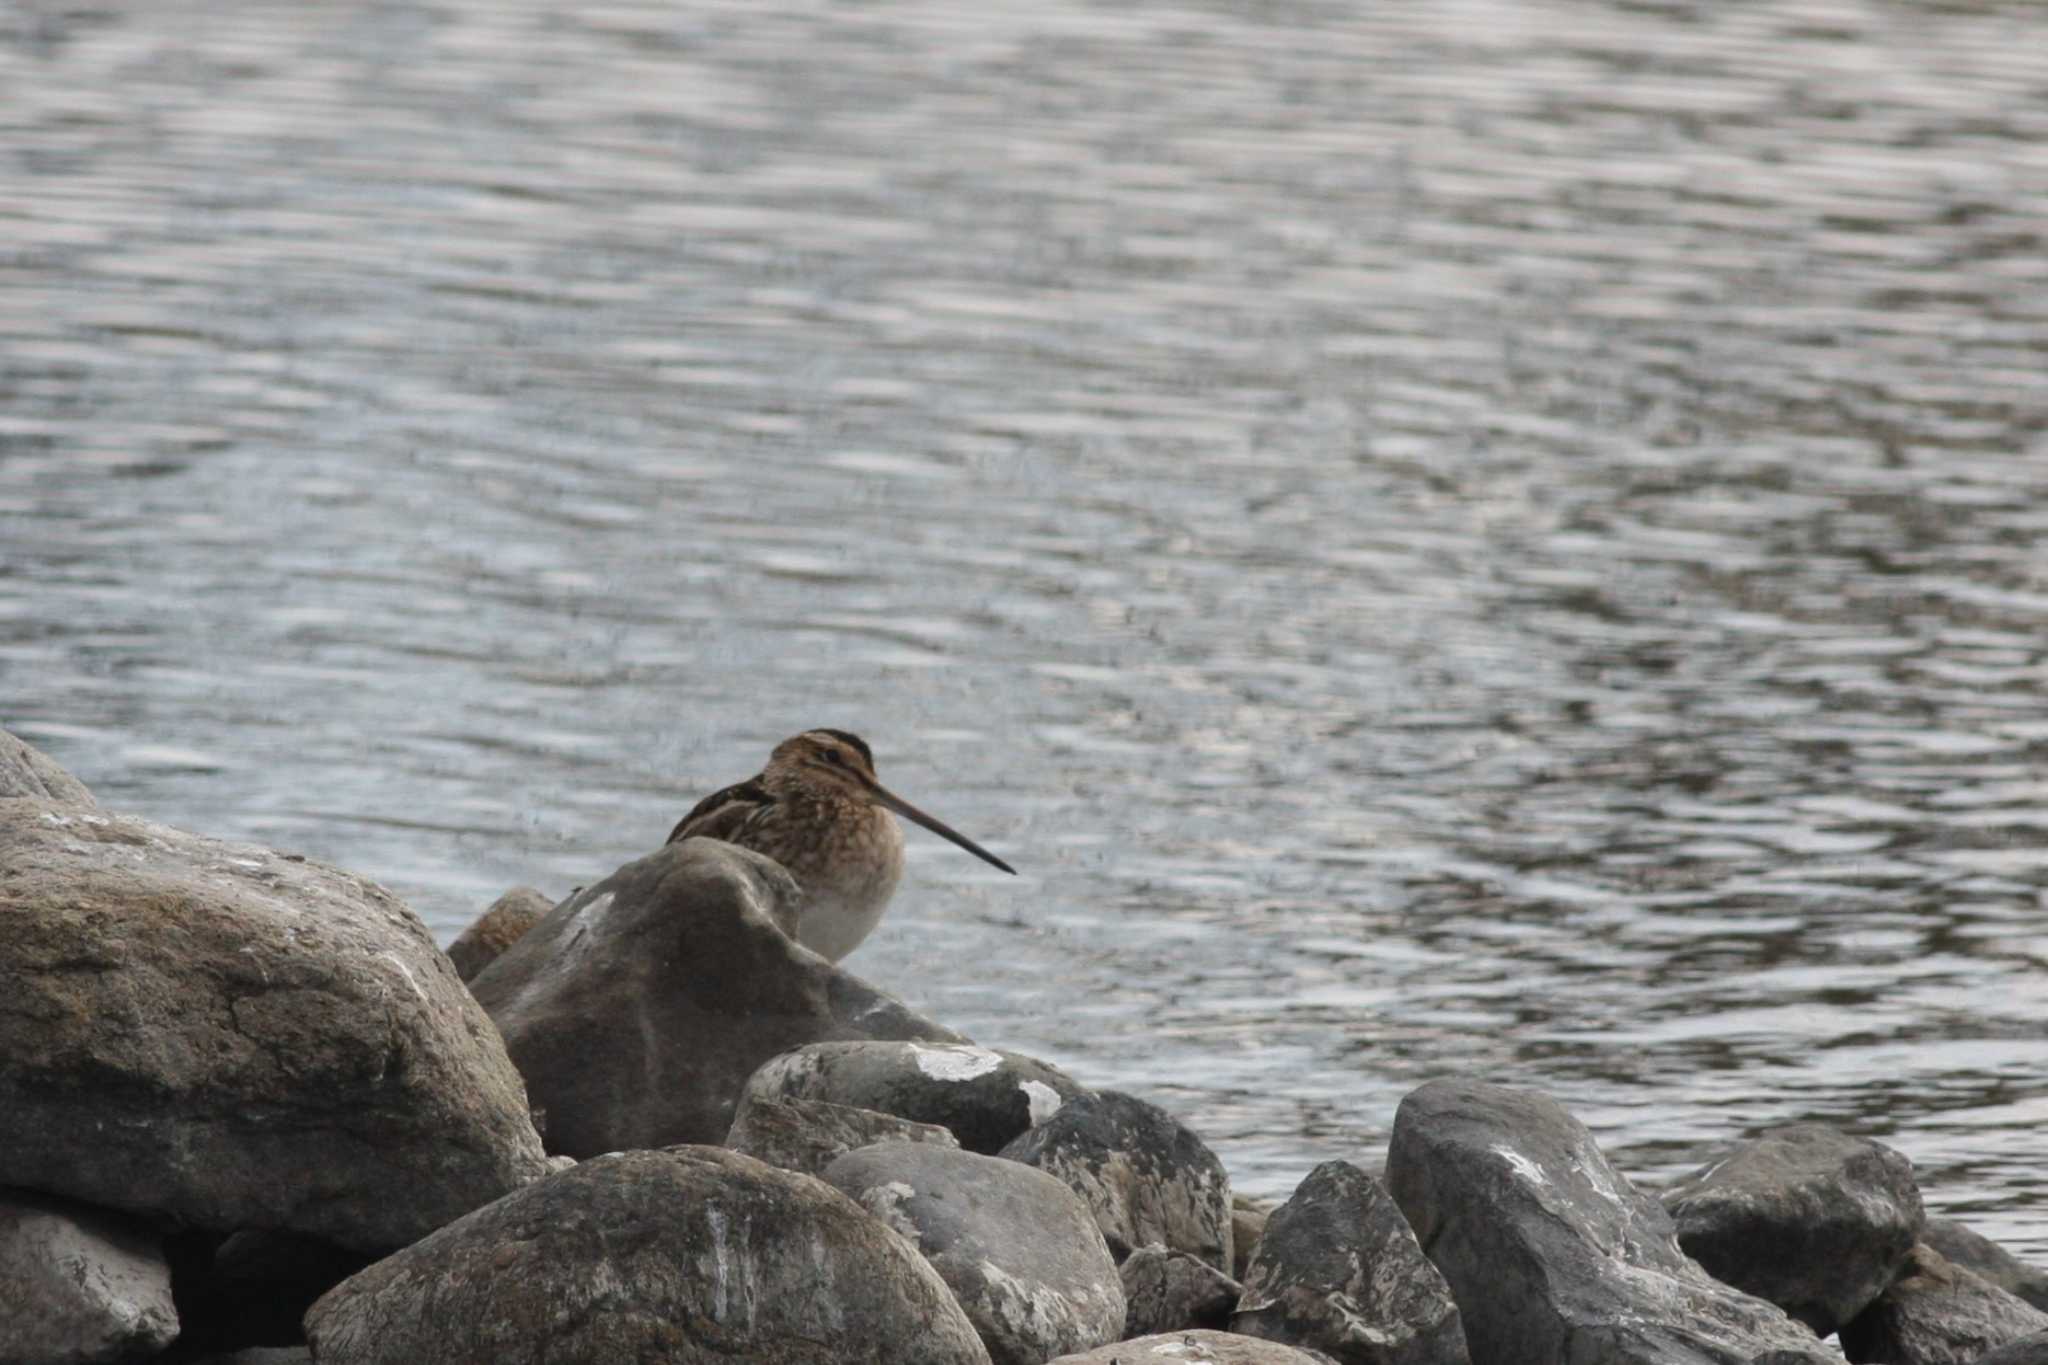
<point>939,827</point>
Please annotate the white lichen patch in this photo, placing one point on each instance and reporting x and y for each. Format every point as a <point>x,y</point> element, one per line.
<point>955,1061</point>
<point>1525,1169</point>
<point>1043,1099</point>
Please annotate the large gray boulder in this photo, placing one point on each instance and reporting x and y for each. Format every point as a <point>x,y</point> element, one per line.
<point>1018,1249</point>
<point>27,771</point>
<point>1972,1250</point>
<point>1247,1224</point>
<point>233,1037</point>
<point>1145,1175</point>
<point>688,1255</point>
<point>79,1284</point>
<point>1338,1271</point>
<point>2028,1350</point>
<point>809,1135</point>
<point>985,1097</point>
<point>503,923</point>
<point>1192,1348</point>
<point>1937,1313</point>
<point>1814,1220</point>
<point>1552,1255</point>
<point>640,1006</point>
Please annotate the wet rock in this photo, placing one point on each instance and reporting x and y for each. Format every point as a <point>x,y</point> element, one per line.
<point>808,1135</point>
<point>1551,1254</point>
<point>1937,1313</point>
<point>2028,1350</point>
<point>1144,1174</point>
<point>986,1098</point>
<point>1973,1251</point>
<point>1814,1220</point>
<point>1247,1223</point>
<point>1339,1271</point>
<point>1018,1249</point>
<point>1192,1348</point>
<point>1173,1291</point>
<point>27,771</point>
<point>260,1355</point>
<point>234,1038</point>
<point>638,1008</point>
<point>498,928</point>
<point>693,1254</point>
<point>79,1284</point>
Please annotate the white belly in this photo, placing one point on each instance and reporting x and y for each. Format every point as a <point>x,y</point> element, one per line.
<point>840,912</point>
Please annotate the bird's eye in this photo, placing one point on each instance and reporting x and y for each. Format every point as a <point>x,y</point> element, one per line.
<point>833,756</point>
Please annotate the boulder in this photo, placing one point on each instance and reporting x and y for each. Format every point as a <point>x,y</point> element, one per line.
<point>1247,1224</point>
<point>1173,1291</point>
<point>1814,1220</point>
<point>1192,1348</point>
<point>693,1254</point>
<point>1972,1250</point>
<point>1018,1249</point>
<point>1339,1271</point>
<point>1551,1254</point>
<point>498,928</point>
<point>27,771</point>
<point>2028,1350</point>
<point>808,1135</point>
<point>640,1006</point>
<point>986,1098</point>
<point>79,1284</point>
<point>1144,1174</point>
<point>1937,1313</point>
<point>233,1037</point>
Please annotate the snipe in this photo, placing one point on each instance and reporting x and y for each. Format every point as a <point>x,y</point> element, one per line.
<point>818,810</point>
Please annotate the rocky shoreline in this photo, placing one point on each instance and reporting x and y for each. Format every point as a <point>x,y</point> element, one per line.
<point>250,1112</point>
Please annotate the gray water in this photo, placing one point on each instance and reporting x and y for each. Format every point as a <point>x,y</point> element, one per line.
<point>1488,538</point>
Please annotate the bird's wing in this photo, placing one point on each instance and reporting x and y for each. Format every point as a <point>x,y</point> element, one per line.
<point>720,815</point>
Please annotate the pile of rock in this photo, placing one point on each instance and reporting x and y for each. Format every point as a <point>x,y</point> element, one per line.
<point>248,1112</point>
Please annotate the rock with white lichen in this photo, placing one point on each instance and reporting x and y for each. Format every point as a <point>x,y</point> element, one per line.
<point>684,1256</point>
<point>1019,1250</point>
<point>987,1098</point>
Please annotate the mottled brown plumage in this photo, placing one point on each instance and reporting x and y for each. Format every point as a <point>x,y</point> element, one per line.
<point>818,810</point>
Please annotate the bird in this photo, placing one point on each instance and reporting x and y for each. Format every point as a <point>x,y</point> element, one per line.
<point>817,809</point>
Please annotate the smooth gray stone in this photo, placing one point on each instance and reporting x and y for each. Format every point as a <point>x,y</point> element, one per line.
<point>1814,1220</point>
<point>808,1135</point>
<point>639,1007</point>
<point>503,923</point>
<point>1192,1348</point>
<point>985,1097</point>
<point>79,1284</point>
<point>1338,1271</point>
<point>1173,1291</point>
<point>1019,1250</point>
<point>1145,1175</point>
<point>1553,1257</point>
<point>693,1254</point>
<point>1938,1313</point>
<point>1972,1250</point>
<point>27,771</point>
<point>234,1037</point>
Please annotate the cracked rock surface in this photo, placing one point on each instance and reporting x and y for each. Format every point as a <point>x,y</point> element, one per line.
<point>234,1037</point>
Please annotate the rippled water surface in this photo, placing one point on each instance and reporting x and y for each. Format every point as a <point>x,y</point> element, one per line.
<point>1487,538</point>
